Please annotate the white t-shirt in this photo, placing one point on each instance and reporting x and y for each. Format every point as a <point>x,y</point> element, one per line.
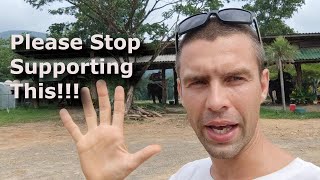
<point>297,169</point>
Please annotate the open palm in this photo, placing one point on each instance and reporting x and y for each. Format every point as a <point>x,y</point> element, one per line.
<point>102,150</point>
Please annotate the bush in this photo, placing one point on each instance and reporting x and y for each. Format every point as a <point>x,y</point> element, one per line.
<point>303,96</point>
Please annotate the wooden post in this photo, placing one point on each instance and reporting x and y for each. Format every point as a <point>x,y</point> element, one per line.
<point>299,74</point>
<point>36,101</point>
<point>175,88</point>
<point>164,86</point>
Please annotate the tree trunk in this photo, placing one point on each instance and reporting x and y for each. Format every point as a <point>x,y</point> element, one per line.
<point>282,86</point>
<point>299,74</point>
<point>129,100</point>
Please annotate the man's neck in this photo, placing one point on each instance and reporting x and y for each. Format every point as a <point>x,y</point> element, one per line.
<point>257,159</point>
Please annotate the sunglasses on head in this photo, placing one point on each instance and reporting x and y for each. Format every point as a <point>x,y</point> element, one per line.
<point>230,16</point>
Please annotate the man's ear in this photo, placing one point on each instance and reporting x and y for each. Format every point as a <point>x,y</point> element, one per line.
<point>179,87</point>
<point>264,84</point>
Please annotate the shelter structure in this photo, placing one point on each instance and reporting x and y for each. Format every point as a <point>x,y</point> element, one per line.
<point>309,49</point>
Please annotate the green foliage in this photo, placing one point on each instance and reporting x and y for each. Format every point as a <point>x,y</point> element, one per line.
<point>191,7</point>
<point>117,18</point>
<point>303,96</point>
<point>273,71</point>
<point>122,17</point>
<point>311,71</point>
<point>280,49</point>
<point>6,56</point>
<point>272,14</point>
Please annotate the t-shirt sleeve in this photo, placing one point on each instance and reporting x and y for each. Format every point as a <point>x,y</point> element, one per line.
<point>183,173</point>
<point>199,169</point>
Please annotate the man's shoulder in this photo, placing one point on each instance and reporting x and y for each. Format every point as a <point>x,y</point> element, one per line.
<point>199,169</point>
<point>307,170</point>
<point>297,169</point>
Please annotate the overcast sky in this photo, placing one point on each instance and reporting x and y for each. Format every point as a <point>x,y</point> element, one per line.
<point>18,15</point>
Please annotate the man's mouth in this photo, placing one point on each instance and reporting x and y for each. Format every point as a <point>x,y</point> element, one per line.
<point>221,131</point>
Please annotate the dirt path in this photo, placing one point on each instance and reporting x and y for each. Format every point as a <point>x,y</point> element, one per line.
<point>45,151</point>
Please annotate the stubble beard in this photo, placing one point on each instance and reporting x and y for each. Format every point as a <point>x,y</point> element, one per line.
<point>224,151</point>
<point>227,150</point>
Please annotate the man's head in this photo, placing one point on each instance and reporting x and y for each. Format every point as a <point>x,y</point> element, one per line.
<point>222,84</point>
<point>216,28</point>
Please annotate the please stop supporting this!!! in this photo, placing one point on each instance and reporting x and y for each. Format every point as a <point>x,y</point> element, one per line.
<point>98,41</point>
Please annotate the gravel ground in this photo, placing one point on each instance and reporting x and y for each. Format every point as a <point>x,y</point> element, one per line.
<point>44,150</point>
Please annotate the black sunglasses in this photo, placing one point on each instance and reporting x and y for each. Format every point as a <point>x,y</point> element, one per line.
<point>230,15</point>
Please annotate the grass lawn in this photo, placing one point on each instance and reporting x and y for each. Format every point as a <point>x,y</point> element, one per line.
<point>268,113</point>
<point>24,115</point>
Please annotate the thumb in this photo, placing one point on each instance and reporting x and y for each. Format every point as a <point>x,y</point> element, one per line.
<point>145,153</point>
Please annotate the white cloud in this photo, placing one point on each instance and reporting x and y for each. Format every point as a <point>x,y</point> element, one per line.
<point>18,15</point>
<point>306,20</point>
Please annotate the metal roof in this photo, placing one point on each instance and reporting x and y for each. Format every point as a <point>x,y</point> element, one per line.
<point>142,59</point>
<point>314,34</point>
<point>308,55</point>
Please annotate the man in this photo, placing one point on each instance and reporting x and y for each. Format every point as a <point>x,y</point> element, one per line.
<point>221,82</point>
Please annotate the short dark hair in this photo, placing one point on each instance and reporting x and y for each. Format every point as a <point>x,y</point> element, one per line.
<point>216,28</point>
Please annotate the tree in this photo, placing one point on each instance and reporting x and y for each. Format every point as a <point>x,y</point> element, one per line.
<point>6,55</point>
<point>281,50</point>
<point>125,18</point>
<point>272,14</point>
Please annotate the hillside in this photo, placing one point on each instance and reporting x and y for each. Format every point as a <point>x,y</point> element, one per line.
<point>7,34</point>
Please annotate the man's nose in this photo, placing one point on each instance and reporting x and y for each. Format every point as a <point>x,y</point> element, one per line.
<point>217,99</point>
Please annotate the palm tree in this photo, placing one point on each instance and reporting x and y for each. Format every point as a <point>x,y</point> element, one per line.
<point>279,51</point>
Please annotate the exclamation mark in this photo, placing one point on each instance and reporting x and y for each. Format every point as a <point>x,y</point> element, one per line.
<point>67,90</point>
<point>76,90</point>
<point>60,86</point>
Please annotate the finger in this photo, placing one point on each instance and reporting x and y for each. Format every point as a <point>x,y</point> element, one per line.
<point>104,102</point>
<point>72,128</point>
<point>89,112</point>
<point>144,154</point>
<point>118,113</point>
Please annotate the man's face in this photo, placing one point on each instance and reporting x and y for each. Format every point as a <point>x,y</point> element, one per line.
<point>221,89</point>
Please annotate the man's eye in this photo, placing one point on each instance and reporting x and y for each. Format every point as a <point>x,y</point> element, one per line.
<point>198,83</point>
<point>235,79</point>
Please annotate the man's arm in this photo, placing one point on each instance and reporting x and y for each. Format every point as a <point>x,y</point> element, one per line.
<point>102,150</point>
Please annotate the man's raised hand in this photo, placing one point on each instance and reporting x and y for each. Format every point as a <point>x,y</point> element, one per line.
<point>102,150</point>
